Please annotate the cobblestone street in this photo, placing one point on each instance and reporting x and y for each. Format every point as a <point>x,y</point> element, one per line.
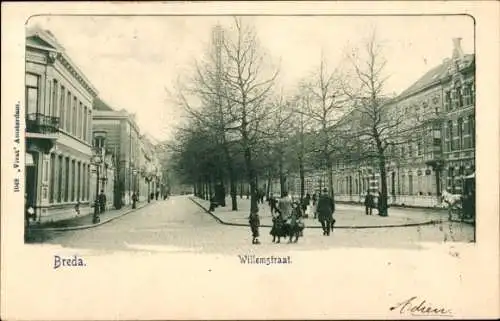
<point>178,224</point>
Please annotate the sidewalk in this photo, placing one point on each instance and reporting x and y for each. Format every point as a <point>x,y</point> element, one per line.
<point>346,216</point>
<point>84,221</point>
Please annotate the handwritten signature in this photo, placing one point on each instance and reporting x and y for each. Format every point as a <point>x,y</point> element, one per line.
<point>417,307</point>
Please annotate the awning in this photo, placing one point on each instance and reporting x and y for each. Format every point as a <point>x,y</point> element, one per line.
<point>28,160</point>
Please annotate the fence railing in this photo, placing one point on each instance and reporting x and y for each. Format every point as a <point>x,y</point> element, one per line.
<point>40,123</point>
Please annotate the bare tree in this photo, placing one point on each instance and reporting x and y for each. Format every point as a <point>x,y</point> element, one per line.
<point>375,125</point>
<point>278,130</point>
<point>324,104</point>
<point>247,85</point>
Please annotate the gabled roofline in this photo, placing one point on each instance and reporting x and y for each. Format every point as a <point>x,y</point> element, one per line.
<point>61,55</point>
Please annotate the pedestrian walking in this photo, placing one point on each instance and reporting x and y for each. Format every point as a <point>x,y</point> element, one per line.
<point>272,203</point>
<point>285,206</point>
<point>325,210</point>
<point>102,201</point>
<point>369,203</point>
<point>134,200</point>
<point>305,204</point>
<point>213,203</point>
<point>254,221</point>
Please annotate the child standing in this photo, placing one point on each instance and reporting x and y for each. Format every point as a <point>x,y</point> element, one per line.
<point>254,221</point>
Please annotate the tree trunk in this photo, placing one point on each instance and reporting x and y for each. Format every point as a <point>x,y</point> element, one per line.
<point>252,180</point>
<point>330,177</point>
<point>302,179</point>
<point>383,193</point>
<point>282,179</point>
<point>234,200</point>
<point>232,179</point>
<point>268,189</point>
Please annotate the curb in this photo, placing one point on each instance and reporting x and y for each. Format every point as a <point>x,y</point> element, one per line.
<point>83,227</point>
<point>431,222</point>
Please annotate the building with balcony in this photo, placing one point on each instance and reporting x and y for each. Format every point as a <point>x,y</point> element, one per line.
<point>123,141</point>
<point>58,109</point>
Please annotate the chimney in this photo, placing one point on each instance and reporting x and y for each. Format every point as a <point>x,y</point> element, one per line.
<point>457,48</point>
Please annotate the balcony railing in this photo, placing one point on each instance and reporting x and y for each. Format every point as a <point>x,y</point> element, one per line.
<point>43,124</point>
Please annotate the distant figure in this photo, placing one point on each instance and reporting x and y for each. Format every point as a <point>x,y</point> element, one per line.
<point>305,203</point>
<point>272,203</point>
<point>213,203</point>
<point>157,194</point>
<point>254,221</point>
<point>102,201</point>
<point>325,209</point>
<point>314,199</point>
<point>369,203</point>
<point>134,200</point>
<point>77,208</point>
<point>285,206</point>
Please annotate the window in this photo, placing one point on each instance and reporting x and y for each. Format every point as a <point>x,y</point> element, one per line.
<point>447,100</point>
<point>68,116</point>
<point>84,120</point>
<point>460,101</point>
<point>79,181</point>
<point>81,120</point>
<point>66,181</point>
<point>52,177</point>
<point>55,89</point>
<point>84,181</point>
<point>73,180</point>
<point>460,133</point>
<point>472,130</point>
<point>32,99</point>
<point>88,182</point>
<point>419,148</point>
<point>468,94</point>
<point>410,184</point>
<point>73,120</point>
<point>410,150</point>
<point>449,135</point>
<point>89,124</point>
<point>62,109</point>
<point>451,180</point>
<point>60,180</point>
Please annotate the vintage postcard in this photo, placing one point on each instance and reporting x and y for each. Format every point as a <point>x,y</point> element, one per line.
<point>298,160</point>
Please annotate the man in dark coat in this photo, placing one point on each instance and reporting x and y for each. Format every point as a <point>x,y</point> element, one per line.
<point>102,202</point>
<point>369,203</point>
<point>325,209</point>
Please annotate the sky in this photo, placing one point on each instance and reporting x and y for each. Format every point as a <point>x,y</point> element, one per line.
<point>132,60</point>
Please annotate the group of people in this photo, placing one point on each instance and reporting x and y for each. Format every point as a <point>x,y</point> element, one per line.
<point>288,216</point>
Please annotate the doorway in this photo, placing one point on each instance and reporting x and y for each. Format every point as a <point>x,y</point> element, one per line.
<point>31,183</point>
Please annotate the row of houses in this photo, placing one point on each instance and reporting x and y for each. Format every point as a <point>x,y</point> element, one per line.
<point>76,144</point>
<point>441,155</point>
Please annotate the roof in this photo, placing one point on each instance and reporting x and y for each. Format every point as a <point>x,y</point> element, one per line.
<point>99,104</point>
<point>435,74</point>
<point>45,39</point>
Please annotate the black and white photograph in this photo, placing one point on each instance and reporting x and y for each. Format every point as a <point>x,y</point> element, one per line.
<point>168,155</point>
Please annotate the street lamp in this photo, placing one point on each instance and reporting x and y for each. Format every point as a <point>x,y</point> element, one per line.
<point>96,160</point>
